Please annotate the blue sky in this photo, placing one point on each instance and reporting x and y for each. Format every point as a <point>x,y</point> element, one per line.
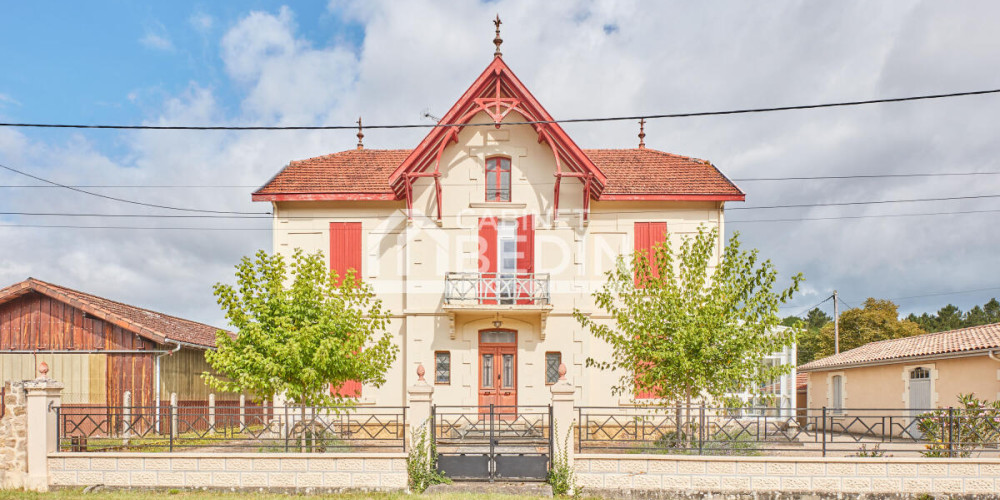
<point>267,63</point>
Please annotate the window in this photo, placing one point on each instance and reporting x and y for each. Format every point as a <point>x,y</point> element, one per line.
<point>552,362</point>
<point>498,179</point>
<point>919,373</point>
<point>442,367</point>
<point>837,392</point>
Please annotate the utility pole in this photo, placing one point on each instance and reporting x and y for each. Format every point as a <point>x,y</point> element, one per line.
<point>836,325</point>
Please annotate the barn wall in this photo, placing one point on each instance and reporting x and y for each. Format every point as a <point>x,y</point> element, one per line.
<point>36,321</point>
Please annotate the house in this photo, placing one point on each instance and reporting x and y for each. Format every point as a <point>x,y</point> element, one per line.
<point>100,348</point>
<point>919,372</point>
<point>484,238</point>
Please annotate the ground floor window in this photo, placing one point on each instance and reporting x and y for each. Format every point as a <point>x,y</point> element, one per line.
<point>442,367</point>
<point>552,362</point>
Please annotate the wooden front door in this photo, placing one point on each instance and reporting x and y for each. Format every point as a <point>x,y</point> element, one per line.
<point>497,370</point>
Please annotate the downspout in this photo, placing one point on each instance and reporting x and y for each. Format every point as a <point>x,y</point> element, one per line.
<point>993,356</point>
<point>156,379</point>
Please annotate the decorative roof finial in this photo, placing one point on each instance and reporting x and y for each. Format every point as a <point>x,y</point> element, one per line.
<point>642,133</point>
<point>497,41</point>
<point>361,135</point>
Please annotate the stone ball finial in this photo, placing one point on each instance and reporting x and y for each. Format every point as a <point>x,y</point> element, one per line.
<point>43,370</point>
<point>562,371</point>
<point>420,371</point>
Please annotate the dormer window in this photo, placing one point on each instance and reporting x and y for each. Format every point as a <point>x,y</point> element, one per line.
<point>498,179</point>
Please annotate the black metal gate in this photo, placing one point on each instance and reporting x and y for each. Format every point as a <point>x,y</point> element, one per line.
<point>493,442</point>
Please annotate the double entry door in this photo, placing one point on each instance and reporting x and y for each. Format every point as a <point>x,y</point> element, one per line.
<point>498,370</point>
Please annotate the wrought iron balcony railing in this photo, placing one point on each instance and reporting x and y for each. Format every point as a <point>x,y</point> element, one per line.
<point>496,288</point>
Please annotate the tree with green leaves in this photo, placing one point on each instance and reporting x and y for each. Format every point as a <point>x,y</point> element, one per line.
<point>683,326</point>
<point>808,338</point>
<point>299,328</point>
<point>875,320</point>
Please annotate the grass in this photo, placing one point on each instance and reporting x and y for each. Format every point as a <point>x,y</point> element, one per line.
<point>214,495</point>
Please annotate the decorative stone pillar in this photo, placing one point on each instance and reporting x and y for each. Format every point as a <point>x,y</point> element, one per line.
<point>563,416</point>
<point>420,396</point>
<point>43,394</point>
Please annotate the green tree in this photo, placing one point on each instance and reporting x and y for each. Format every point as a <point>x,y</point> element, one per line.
<point>991,310</point>
<point>681,329</point>
<point>949,317</point>
<point>876,320</point>
<point>298,329</point>
<point>809,337</point>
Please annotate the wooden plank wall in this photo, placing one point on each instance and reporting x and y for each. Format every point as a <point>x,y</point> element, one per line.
<point>82,374</point>
<point>35,321</point>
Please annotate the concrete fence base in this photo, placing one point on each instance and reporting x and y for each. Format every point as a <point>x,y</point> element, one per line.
<point>667,476</point>
<point>240,471</point>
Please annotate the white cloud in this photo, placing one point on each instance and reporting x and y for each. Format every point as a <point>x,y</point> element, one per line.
<point>201,21</point>
<point>156,41</point>
<point>6,99</point>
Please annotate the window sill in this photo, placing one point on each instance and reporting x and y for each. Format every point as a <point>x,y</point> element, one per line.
<point>497,204</point>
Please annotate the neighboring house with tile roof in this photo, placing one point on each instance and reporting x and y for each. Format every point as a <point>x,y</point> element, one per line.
<point>484,237</point>
<point>923,371</point>
<point>100,348</point>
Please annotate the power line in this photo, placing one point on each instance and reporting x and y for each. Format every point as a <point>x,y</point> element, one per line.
<point>877,202</point>
<point>938,294</point>
<point>530,122</point>
<point>872,216</point>
<point>814,306</point>
<point>869,176</point>
<point>123,200</point>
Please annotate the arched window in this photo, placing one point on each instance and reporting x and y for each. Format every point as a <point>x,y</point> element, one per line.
<point>919,373</point>
<point>498,179</point>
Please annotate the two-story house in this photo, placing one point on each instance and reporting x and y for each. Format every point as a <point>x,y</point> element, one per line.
<point>483,239</point>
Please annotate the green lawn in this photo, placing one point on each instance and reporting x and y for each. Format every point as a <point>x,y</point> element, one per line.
<point>211,495</point>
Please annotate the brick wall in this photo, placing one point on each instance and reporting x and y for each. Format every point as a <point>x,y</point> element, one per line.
<point>276,471</point>
<point>889,476</point>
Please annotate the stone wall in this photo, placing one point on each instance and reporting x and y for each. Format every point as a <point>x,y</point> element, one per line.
<point>673,476</point>
<point>13,437</point>
<point>241,471</point>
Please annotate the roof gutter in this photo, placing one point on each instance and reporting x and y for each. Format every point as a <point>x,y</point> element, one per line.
<point>893,361</point>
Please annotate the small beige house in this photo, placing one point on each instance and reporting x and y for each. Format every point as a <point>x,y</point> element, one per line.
<point>925,371</point>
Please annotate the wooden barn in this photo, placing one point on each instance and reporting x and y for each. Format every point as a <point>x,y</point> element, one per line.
<point>100,348</point>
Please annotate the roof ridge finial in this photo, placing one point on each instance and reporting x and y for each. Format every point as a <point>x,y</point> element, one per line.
<point>642,133</point>
<point>361,135</point>
<point>497,41</point>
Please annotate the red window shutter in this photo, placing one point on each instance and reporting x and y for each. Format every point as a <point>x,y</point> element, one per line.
<point>350,389</point>
<point>525,256</point>
<point>488,258</point>
<point>345,255</point>
<point>649,235</point>
<point>345,248</point>
<point>526,244</point>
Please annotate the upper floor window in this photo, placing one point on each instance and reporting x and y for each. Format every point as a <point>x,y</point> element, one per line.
<point>498,179</point>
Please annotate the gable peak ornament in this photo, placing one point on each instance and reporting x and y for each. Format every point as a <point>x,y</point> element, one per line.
<point>642,133</point>
<point>361,135</point>
<point>497,40</point>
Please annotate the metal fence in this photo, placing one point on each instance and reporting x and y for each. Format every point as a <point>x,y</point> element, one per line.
<point>702,430</point>
<point>227,428</point>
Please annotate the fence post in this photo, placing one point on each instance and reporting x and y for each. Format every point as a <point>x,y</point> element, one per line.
<point>43,395</point>
<point>420,396</point>
<point>563,401</point>
<point>951,432</point>
<point>701,427</point>
<point>823,437</point>
<point>126,416</point>
<point>211,412</point>
<point>243,412</point>
<point>173,419</point>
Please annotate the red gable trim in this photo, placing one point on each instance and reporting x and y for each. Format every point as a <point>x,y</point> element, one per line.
<point>672,197</point>
<point>324,197</point>
<point>496,78</point>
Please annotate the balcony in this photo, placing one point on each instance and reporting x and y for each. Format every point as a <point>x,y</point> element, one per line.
<point>494,289</point>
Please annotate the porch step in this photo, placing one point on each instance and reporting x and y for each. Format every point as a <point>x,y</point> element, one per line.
<point>487,488</point>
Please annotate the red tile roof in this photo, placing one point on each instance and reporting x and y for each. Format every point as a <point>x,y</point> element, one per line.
<point>650,172</point>
<point>975,338</point>
<point>801,381</point>
<point>630,172</point>
<point>152,325</point>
